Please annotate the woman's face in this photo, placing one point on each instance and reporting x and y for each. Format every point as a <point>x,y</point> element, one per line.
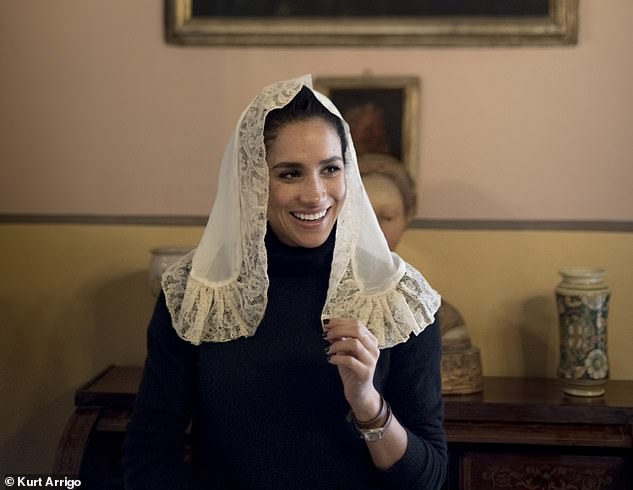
<point>306,183</point>
<point>388,205</point>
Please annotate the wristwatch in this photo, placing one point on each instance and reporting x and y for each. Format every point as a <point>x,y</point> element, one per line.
<point>371,435</point>
<point>374,430</point>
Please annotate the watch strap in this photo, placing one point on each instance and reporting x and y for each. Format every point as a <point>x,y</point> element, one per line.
<point>374,429</point>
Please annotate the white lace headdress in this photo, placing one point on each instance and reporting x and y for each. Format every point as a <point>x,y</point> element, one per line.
<point>220,293</point>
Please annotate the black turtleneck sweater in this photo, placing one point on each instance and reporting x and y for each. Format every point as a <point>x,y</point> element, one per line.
<point>268,411</point>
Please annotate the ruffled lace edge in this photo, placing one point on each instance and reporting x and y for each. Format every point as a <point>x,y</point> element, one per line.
<point>391,316</point>
<point>203,313</point>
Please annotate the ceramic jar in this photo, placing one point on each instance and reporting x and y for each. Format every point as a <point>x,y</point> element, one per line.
<point>162,257</point>
<point>582,299</point>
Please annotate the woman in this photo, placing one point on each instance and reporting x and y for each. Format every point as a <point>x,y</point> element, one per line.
<point>291,315</point>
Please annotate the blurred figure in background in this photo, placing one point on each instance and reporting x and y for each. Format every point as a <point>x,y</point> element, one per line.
<point>391,191</point>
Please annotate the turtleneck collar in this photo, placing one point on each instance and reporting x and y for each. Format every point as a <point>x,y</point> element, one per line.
<point>284,260</point>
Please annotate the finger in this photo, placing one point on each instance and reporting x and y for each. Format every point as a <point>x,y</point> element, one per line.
<point>362,335</point>
<point>360,369</point>
<point>349,327</point>
<point>363,344</point>
<point>352,347</point>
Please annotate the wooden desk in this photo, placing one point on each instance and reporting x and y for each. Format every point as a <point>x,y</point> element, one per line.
<point>519,433</point>
<point>91,445</point>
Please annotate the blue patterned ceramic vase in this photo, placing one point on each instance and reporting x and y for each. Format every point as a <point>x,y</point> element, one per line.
<point>583,306</point>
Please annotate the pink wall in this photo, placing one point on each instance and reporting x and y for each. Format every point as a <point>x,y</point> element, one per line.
<point>99,115</point>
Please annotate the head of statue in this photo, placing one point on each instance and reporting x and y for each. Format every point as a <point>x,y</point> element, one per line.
<point>391,191</point>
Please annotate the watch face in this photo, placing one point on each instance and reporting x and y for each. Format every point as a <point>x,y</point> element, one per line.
<point>372,434</point>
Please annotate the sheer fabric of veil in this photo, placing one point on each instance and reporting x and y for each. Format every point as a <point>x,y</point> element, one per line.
<point>219,294</point>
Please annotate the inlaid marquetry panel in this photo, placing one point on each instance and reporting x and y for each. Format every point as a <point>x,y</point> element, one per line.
<point>542,472</point>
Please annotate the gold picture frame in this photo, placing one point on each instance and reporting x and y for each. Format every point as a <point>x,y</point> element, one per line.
<point>392,104</point>
<point>185,26</point>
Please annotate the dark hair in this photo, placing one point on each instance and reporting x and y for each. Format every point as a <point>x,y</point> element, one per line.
<point>302,107</point>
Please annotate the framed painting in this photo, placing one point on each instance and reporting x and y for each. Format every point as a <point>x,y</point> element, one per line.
<point>382,112</point>
<point>371,22</point>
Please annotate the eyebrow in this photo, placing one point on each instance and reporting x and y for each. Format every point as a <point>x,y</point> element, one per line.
<point>327,161</point>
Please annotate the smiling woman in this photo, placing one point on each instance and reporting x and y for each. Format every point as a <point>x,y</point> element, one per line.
<point>291,305</point>
<point>307,183</point>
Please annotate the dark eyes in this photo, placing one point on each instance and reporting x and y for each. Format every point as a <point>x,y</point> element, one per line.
<point>332,169</point>
<point>292,174</point>
<point>289,174</point>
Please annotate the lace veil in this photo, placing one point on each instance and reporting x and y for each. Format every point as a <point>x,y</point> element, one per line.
<point>218,292</point>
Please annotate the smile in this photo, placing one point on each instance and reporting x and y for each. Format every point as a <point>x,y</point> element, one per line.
<point>312,216</point>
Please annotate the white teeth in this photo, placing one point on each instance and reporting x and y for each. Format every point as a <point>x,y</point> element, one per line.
<point>310,217</point>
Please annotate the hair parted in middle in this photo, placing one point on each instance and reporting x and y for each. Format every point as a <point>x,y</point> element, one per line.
<point>302,107</point>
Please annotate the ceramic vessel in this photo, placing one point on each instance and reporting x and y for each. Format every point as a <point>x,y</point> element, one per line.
<point>162,257</point>
<point>582,298</point>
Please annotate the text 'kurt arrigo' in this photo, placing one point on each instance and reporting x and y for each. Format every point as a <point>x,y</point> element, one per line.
<point>44,481</point>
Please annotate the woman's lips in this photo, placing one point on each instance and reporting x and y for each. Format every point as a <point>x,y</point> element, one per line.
<point>310,216</point>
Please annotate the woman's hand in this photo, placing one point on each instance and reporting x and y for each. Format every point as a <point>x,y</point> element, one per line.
<point>354,350</point>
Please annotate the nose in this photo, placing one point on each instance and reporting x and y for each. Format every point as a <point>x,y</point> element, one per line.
<point>314,190</point>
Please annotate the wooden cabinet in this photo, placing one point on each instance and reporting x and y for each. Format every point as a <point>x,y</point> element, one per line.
<point>519,433</point>
<point>526,434</point>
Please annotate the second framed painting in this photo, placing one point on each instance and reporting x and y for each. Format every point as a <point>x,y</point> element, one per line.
<point>382,112</point>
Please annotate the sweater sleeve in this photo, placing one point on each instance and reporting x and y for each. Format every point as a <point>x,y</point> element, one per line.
<point>414,390</point>
<point>156,435</point>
